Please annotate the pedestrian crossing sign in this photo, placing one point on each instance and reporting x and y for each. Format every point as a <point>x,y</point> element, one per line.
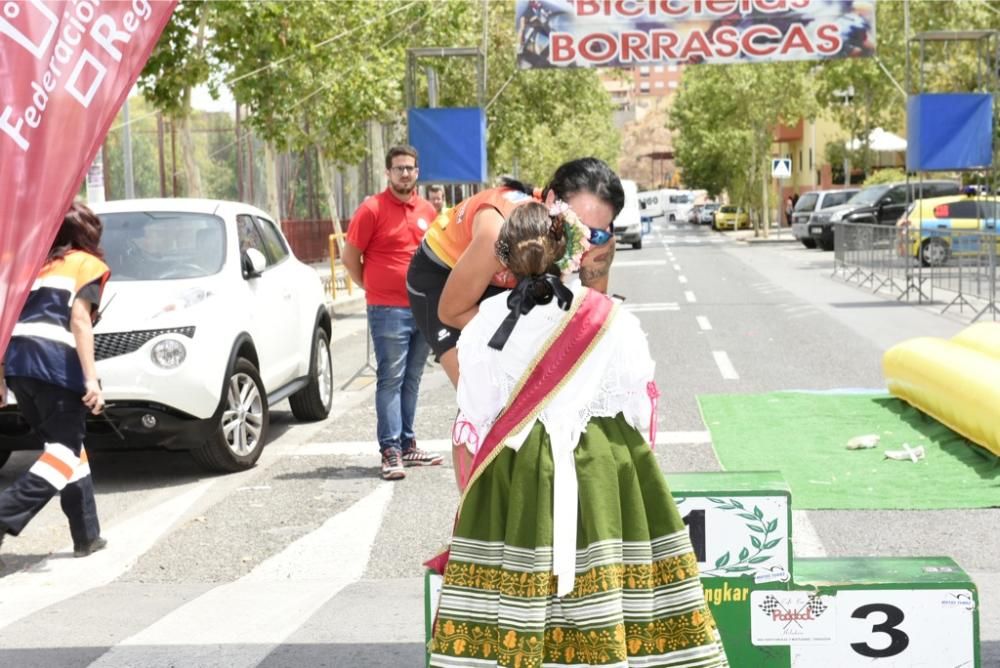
<point>781,168</point>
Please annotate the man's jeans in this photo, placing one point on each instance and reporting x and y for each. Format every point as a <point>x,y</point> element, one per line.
<point>400,353</point>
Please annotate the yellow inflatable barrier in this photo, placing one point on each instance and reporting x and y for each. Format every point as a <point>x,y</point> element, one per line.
<point>956,381</point>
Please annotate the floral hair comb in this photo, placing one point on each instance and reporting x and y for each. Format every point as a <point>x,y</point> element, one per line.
<point>567,225</point>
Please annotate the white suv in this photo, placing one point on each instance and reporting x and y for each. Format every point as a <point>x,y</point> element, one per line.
<point>207,322</point>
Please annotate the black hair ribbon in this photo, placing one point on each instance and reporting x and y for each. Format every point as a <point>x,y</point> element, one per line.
<point>531,291</point>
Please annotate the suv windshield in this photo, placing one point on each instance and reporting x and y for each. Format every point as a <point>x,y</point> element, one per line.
<point>869,196</point>
<point>807,202</point>
<point>836,199</point>
<point>154,246</point>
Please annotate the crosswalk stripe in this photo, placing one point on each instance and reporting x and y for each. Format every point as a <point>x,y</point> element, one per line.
<point>807,540</point>
<point>366,448</point>
<point>55,580</point>
<point>263,608</point>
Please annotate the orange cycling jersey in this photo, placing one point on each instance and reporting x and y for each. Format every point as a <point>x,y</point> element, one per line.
<point>451,232</point>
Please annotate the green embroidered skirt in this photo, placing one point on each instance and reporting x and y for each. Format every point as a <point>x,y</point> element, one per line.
<point>637,599</point>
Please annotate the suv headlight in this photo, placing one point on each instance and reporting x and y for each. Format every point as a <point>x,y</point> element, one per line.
<point>168,354</point>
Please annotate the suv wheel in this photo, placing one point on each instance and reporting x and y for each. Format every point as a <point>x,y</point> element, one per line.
<point>934,252</point>
<point>313,401</point>
<point>809,243</point>
<point>238,441</point>
<point>638,244</point>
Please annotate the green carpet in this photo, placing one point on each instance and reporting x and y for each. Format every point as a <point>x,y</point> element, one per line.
<point>803,435</point>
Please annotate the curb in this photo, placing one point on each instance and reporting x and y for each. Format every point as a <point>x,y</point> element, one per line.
<point>346,305</point>
<point>780,240</point>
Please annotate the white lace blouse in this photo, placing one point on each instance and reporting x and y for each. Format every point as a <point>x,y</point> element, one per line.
<point>613,379</point>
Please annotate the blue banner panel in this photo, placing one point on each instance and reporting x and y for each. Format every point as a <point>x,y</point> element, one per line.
<point>451,144</point>
<point>946,131</point>
<point>623,33</point>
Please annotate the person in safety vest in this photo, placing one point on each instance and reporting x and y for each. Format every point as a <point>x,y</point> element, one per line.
<point>50,368</point>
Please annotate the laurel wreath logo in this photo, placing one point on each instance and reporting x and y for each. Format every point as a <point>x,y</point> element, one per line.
<point>761,542</point>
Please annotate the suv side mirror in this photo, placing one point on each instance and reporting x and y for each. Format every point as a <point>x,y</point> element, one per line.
<point>253,262</point>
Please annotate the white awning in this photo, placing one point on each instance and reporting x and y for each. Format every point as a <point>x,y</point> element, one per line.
<point>881,141</point>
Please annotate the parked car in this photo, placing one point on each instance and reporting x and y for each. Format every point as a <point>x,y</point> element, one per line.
<point>811,202</point>
<point>731,217</point>
<point>944,227</point>
<point>708,211</point>
<point>628,224</point>
<point>880,204</point>
<point>695,216</point>
<point>208,321</point>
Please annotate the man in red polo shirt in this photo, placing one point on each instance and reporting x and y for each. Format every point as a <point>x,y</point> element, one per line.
<point>382,237</point>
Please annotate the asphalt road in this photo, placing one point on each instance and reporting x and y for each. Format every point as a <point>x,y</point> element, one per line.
<point>311,560</point>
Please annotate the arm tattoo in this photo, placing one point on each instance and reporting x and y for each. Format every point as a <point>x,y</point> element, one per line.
<point>597,266</point>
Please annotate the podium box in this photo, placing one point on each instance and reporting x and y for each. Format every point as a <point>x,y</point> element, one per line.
<point>740,522</point>
<point>741,529</point>
<point>852,612</point>
<point>432,594</point>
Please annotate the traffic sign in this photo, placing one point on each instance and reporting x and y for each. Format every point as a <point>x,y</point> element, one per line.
<point>781,168</point>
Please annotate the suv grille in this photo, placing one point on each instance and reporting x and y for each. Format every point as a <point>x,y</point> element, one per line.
<point>122,343</point>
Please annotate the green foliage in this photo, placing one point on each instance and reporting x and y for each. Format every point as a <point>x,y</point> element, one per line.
<point>174,65</point>
<point>145,153</point>
<point>312,73</point>
<point>890,175</point>
<point>724,116</point>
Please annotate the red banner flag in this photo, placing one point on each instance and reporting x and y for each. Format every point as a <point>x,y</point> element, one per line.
<point>66,67</point>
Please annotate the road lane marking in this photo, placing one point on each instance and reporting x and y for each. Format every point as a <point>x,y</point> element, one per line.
<point>677,267</point>
<point>703,323</point>
<point>263,608</point>
<point>688,295</point>
<point>640,263</point>
<point>682,279</point>
<point>54,580</point>
<point>726,367</point>
<point>652,307</point>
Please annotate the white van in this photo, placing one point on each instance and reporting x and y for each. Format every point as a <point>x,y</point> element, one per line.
<point>628,224</point>
<point>677,204</point>
<point>651,205</point>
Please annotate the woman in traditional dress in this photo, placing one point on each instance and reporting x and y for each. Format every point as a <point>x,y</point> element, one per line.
<point>568,548</point>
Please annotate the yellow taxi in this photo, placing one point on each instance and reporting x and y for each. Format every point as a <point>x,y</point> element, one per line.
<point>944,227</point>
<point>730,217</point>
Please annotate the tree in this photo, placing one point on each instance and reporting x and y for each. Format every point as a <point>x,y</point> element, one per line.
<point>182,59</point>
<point>725,116</point>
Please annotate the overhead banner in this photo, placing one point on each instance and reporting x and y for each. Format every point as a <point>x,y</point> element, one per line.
<point>622,33</point>
<point>66,67</point>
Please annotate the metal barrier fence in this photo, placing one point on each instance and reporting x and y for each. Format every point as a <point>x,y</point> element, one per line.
<point>928,265</point>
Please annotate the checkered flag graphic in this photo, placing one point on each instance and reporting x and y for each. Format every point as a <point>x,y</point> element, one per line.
<point>816,605</point>
<point>769,605</point>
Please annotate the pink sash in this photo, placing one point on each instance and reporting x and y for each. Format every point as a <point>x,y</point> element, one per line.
<point>580,330</point>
